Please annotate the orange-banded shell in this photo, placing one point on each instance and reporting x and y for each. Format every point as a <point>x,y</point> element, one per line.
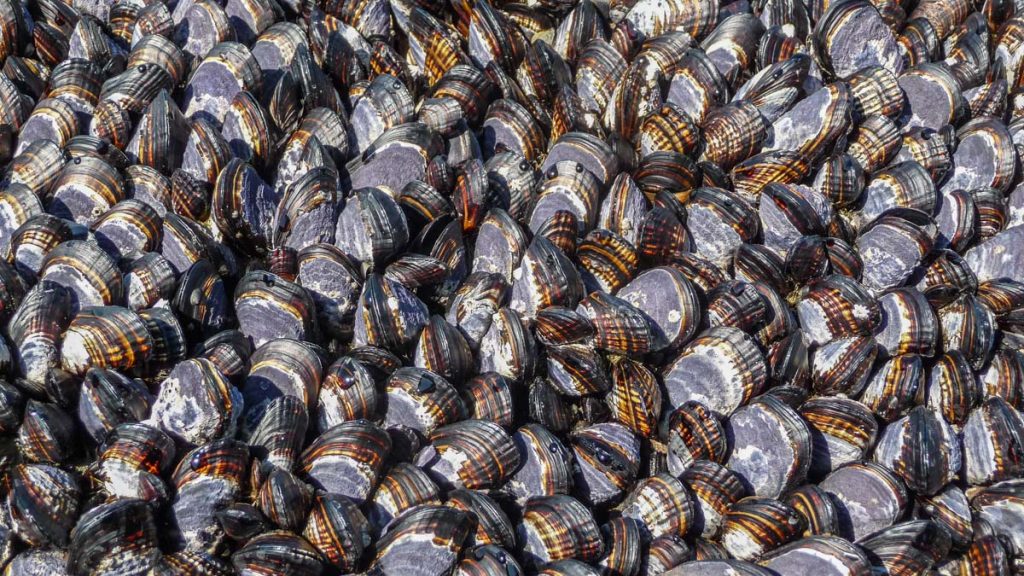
<point>247,129</point>
<point>893,386</point>
<point>307,213</point>
<point>715,489</point>
<point>817,509</point>
<point>388,314</point>
<point>838,36</point>
<point>664,554</point>
<point>666,171</point>
<point>281,367</point>
<point>546,464</point>
<point>1002,297</point>
<point>991,210</point>
<point>105,336</point>
<point>841,179</point>
<point>495,38</point>
<point>85,189</point>
<point>205,153</point>
<point>268,307</point>
<point>488,396</point>
<point>736,304</point>
<point>662,235</point>
<point>557,325</point>
<point>957,218</point>
<point>169,343</point>
<point>500,244</point>
<point>201,297</point>
<point>31,242</point>
<point>732,43</point>
<point>788,361</point>
<point>635,396</point>
<point>511,177</point>
<point>159,50</point>
<point>945,15</point>
<point>347,459</point>
<point>752,175</point>
<point>834,307</point>
<point>732,133</point>
<point>968,326</point>
<point>814,123</point>
<point>669,129</point>
<point>908,547</point>
<point>1004,377</point>
<point>843,365</point>
<point>242,207</point>
<point>109,399</point>
<point>993,443</point>
<point>86,270</point>
<point>693,433</point>
<point>620,328</point>
<point>18,204</point>
<point>386,103</point>
<point>789,213</point>
<point>608,456</point>
<point>51,119</point>
<point>474,91</point>
<point>277,439</point>
<point>933,97</point>
<point>277,551</point>
<point>623,546</point>
<point>76,82</point>
<point>214,404</point>
<point>134,89</point>
<point>774,89</point>
<point>35,329</point>
<point>338,530</point>
<point>471,454</point>
<point>47,433</point>
<point>84,145</point>
<point>637,95</point>
<point>421,400</point>
<point>598,68</point>
<point>284,499</point>
<point>623,209</point>
<point>576,370</point>
<point>755,526</point>
<point>130,227</point>
<point>434,45</point>
<point>348,392</point>
<point>493,527</point>
<point>662,505</point>
<point>586,150</point>
<point>874,92</point>
<point>442,349</point>
<point>909,324</point>
<point>843,430</point>
<point>738,372</point>
<point>430,537</point>
<point>402,488</point>
<point>756,263</point>
<point>558,527</point>
<point>44,503</point>
<point>951,388</point>
<point>546,278</point>
<point>920,41</point>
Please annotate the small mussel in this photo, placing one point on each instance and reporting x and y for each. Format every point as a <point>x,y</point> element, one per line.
<point>922,449</point>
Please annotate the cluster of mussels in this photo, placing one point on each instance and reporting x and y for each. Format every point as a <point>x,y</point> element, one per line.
<point>563,287</point>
